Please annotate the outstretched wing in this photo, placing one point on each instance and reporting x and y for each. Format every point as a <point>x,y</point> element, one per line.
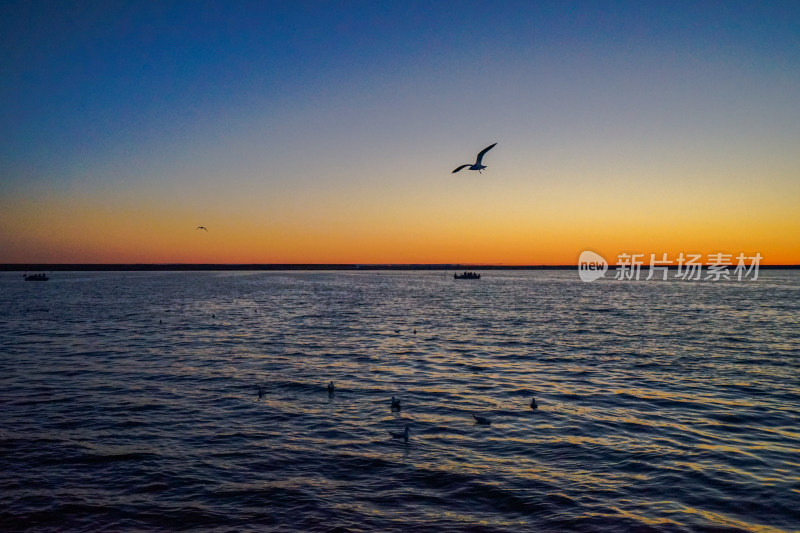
<point>459,168</point>
<point>482,152</point>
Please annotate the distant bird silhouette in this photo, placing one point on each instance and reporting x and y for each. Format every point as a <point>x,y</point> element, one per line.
<point>534,405</point>
<point>330,388</point>
<point>482,420</point>
<point>395,404</point>
<point>403,435</point>
<point>260,392</point>
<point>478,162</point>
<point>201,227</point>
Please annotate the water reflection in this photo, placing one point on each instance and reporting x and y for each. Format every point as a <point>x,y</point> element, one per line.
<point>660,405</point>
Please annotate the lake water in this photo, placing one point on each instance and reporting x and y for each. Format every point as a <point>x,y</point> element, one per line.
<point>129,401</point>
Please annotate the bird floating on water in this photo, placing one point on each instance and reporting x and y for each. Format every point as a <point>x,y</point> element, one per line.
<point>202,228</point>
<point>403,435</point>
<point>260,392</point>
<point>330,388</point>
<point>478,162</point>
<point>534,405</point>
<point>482,420</point>
<point>395,404</point>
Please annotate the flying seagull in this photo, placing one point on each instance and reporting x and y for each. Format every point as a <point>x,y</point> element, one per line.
<point>201,227</point>
<point>477,166</point>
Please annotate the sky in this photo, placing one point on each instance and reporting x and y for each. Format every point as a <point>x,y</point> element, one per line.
<point>327,132</point>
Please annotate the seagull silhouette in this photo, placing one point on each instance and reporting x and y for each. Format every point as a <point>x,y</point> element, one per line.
<point>403,435</point>
<point>202,227</point>
<point>478,162</point>
<point>396,404</point>
<point>534,405</point>
<point>482,420</point>
<point>331,388</point>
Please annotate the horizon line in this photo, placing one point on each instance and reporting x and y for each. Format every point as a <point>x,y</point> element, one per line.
<point>65,267</point>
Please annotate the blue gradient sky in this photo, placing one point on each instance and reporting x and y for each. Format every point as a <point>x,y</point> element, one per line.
<point>326,131</point>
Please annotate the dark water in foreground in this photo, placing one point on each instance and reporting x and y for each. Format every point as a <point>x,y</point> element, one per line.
<point>663,406</point>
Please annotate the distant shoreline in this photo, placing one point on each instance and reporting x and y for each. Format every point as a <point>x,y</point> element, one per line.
<point>145,267</point>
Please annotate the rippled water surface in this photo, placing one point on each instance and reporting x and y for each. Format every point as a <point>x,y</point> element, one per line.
<point>129,401</point>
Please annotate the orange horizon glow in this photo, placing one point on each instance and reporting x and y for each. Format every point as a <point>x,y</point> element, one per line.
<point>103,231</point>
